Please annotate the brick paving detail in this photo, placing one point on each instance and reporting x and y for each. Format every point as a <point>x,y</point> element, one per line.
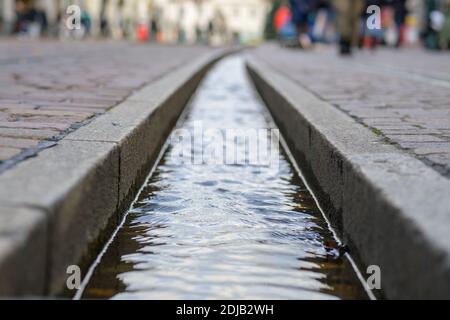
<point>403,95</point>
<point>49,88</point>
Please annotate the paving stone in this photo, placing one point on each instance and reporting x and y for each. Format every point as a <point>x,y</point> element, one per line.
<point>51,113</point>
<point>415,138</point>
<point>75,108</point>
<point>7,153</point>
<point>396,127</point>
<point>431,148</point>
<point>34,125</point>
<point>442,159</point>
<point>17,143</point>
<point>415,131</point>
<point>27,133</point>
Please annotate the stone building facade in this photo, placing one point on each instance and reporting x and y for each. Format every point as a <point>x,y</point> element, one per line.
<point>190,21</point>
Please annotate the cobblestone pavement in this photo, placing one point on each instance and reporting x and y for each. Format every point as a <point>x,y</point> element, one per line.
<point>50,88</point>
<point>403,95</point>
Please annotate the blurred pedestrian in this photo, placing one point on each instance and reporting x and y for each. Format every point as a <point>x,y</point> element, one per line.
<point>154,31</point>
<point>348,23</point>
<point>414,22</point>
<point>444,35</point>
<point>400,13</point>
<point>29,21</point>
<point>435,21</point>
<point>284,26</point>
<point>323,30</point>
<point>270,32</point>
<point>301,14</point>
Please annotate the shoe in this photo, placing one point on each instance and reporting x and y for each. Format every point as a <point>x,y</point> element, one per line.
<point>345,48</point>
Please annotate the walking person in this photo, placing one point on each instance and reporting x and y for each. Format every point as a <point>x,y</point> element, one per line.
<point>434,21</point>
<point>301,14</point>
<point>444,35</point>
<point>30,21</point>
<point>348,23</point>
<point>400,13</point>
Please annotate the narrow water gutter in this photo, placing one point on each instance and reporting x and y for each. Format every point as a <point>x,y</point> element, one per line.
<point>219,229</point>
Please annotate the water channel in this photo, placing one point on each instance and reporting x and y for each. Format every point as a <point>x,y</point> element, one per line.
<point>221,228</point>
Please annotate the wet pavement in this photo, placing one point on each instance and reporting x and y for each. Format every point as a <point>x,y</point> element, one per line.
<point>211,223</point>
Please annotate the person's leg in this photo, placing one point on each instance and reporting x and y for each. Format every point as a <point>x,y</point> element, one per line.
<point>304,39</point>
<point>356,9</point>
<point>343,8</point>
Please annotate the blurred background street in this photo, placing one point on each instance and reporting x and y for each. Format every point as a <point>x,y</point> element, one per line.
<point>293,22</point>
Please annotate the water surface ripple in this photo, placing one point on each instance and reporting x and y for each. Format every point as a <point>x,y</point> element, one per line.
<point>224,231</point>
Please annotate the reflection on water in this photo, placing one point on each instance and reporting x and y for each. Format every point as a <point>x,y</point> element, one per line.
<point>222,231</point>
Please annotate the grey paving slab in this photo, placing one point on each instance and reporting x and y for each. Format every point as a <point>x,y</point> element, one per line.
<point>76,184</point>
<point>23,251</point>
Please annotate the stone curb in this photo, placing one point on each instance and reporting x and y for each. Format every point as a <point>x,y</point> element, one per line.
<point>391,209</point>
<point>59,208</point>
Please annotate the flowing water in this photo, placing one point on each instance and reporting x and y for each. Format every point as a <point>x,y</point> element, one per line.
<point>203,229</point>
